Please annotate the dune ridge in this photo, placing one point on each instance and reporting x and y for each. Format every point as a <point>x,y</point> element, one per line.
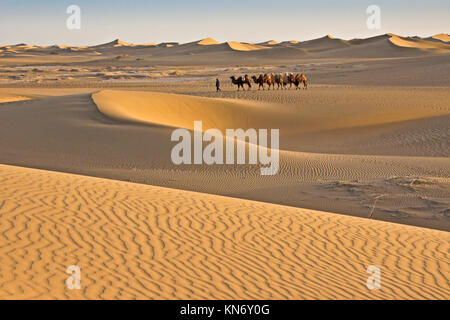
<point>177,110</point>
<point>142,242</point>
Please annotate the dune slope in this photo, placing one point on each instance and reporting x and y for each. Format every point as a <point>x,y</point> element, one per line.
<point>137,241</point>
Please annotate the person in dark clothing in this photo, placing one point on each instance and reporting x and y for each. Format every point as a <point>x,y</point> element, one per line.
<point>218,85</point>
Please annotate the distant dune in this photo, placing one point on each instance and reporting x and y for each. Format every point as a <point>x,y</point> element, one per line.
<point>440,37</point>
<point>418,43</point>
<point>325,43</point>
<point>210,51</point>
<point>208,42</point>
<point>245,46</point>
<point>134,241</point>
<point>268,43</point>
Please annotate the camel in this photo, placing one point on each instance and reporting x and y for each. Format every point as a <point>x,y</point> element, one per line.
<point>299,79</point>
<point>278,78</point>
<point>291,80</point>
<point>248,81</point>
<point>305,81</point>
<point>288,78</point>
<point>269,80</point>
<point>239,82</point>
<point>259,81</point>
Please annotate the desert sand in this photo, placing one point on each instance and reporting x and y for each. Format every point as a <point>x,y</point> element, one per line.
<point>351,144</point>
<point>87,177</point>
<point>134,241</point>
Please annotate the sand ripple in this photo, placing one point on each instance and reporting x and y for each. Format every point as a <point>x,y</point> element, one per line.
<point>138,241</point>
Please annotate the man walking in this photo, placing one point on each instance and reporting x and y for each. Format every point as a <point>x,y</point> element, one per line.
<point>218,85</point>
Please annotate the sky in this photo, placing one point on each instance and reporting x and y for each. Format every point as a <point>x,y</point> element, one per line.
<point>144,21</point>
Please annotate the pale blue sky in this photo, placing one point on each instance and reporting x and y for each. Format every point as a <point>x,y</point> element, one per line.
<point>141,21</point>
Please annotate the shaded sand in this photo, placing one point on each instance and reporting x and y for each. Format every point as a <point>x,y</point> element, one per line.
<point>18,94</point>
<point>137,241</point>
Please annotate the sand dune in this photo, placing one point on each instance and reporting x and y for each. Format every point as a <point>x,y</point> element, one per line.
<point>417,43</point>
<point>320,164</point>
<point>268,43</point>
<point>325,43</point>
<point>181,111</point>
<point>238,46</point>
<point>207,42</point>
<point>441,37</point>
<point>366,146</point>
<point>115,43</point>
<point>137,241</point>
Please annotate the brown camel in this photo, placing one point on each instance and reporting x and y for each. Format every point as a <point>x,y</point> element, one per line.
<point>269,80</point>
<point>259,81</point>
<point>278,78</point>
<point>299,79</point>
<point>291,80</point>
<point>248,81</point>
<point>238,82</point>
<point>304,81</point>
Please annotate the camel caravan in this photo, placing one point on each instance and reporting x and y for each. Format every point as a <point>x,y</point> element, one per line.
<point>282,81</point>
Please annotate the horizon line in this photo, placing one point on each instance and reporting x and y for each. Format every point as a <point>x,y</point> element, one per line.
<point>281,41</point>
